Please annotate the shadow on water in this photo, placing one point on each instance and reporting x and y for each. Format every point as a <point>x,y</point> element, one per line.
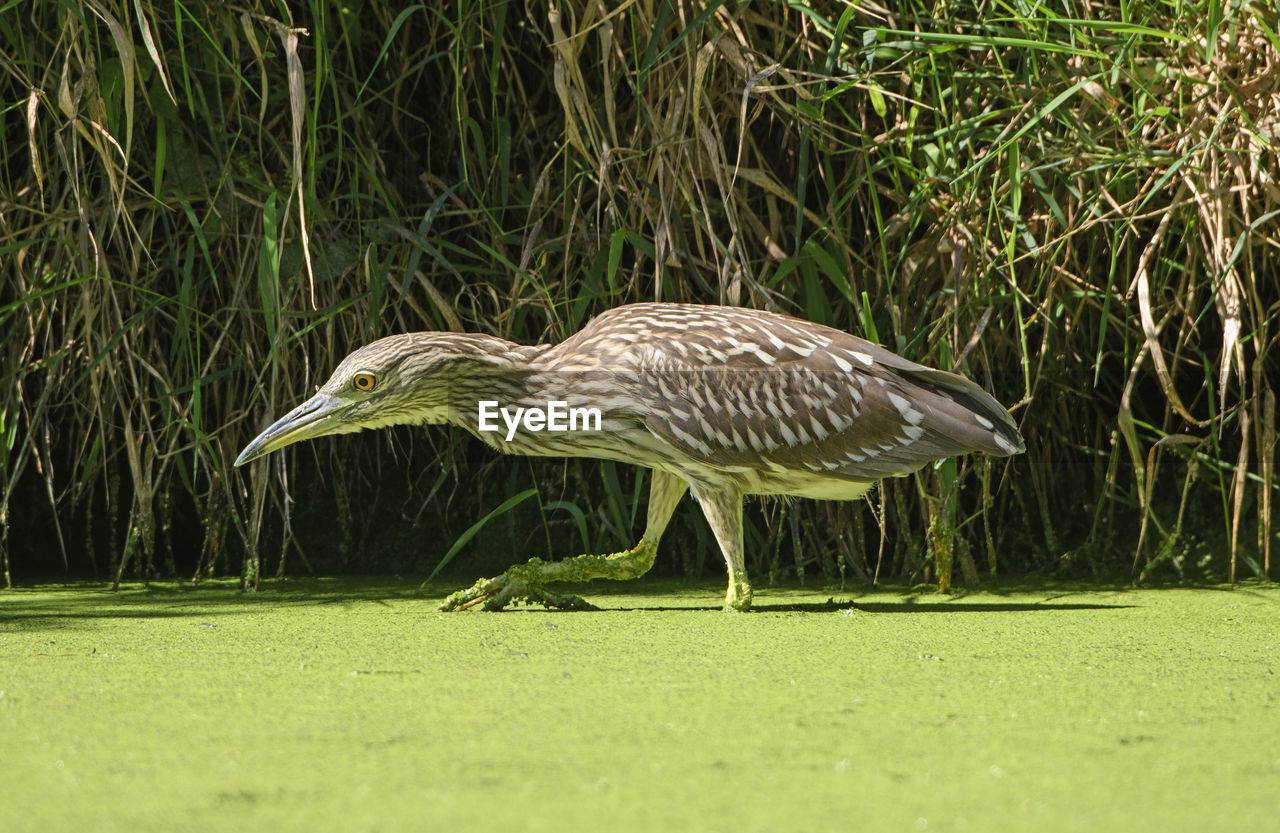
<point>69,605</point>
<point>886,599</point>
<point>62,605</point>
<point>836,606</point>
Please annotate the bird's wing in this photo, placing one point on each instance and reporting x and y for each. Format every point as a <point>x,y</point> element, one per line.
<point>744,387</point>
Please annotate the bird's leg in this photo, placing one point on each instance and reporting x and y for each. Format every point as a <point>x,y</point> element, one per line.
<point>723,509</point>
<point>524,582</point>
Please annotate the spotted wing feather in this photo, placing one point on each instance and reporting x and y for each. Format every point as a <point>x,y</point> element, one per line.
<point>747,387</point>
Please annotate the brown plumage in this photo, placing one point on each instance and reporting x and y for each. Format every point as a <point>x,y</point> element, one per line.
<point>721,401</point>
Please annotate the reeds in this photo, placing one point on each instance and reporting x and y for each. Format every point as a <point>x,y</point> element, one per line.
<point>204,207</point>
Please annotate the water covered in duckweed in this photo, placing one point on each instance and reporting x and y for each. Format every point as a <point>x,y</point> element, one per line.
<point>353,705</point>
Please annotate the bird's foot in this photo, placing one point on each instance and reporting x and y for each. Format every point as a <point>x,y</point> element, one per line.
<point>521,583</point>
<point>738,599</point>
<point>525,582</point>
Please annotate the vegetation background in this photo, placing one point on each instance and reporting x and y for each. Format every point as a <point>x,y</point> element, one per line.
<point>204,206</point>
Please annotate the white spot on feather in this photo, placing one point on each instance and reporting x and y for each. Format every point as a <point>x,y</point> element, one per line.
<point>1005,444</point>
<point>802,348</point>
<point>690,440</point>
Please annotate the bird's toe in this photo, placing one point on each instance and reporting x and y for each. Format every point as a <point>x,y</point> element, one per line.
<point>482,592</point>
<point>496,593</point>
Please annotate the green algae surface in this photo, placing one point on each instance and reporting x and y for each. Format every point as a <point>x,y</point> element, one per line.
<point>335,705</point>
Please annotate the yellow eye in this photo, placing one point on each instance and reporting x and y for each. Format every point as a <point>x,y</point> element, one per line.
<point>364,382</point>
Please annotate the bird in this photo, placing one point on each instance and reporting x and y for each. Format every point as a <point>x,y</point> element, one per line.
<point>718,402</point>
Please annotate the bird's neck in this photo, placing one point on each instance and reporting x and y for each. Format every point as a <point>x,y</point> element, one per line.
<point>486,368</point>
<point>509,395</point>
<point>486,351</point>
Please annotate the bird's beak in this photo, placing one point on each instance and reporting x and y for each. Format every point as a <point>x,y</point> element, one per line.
<point>313,418</point>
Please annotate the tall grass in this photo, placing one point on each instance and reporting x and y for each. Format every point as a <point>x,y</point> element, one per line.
<point>204,207</point>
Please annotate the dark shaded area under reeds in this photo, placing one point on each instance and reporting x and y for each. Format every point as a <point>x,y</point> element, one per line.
<point>1079,212</point>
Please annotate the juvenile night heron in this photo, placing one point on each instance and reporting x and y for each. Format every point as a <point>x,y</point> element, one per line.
<point>721,402</point>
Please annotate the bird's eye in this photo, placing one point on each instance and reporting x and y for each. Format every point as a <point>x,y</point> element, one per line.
<point>364,382</point>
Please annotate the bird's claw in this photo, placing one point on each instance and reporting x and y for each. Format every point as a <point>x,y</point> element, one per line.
<point>496,593</point>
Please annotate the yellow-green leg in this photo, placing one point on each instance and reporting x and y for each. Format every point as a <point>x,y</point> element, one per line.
<point>723,510</point>
<point>524,582</point>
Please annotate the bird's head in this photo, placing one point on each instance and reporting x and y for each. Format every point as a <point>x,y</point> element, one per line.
<point>401,379</point>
